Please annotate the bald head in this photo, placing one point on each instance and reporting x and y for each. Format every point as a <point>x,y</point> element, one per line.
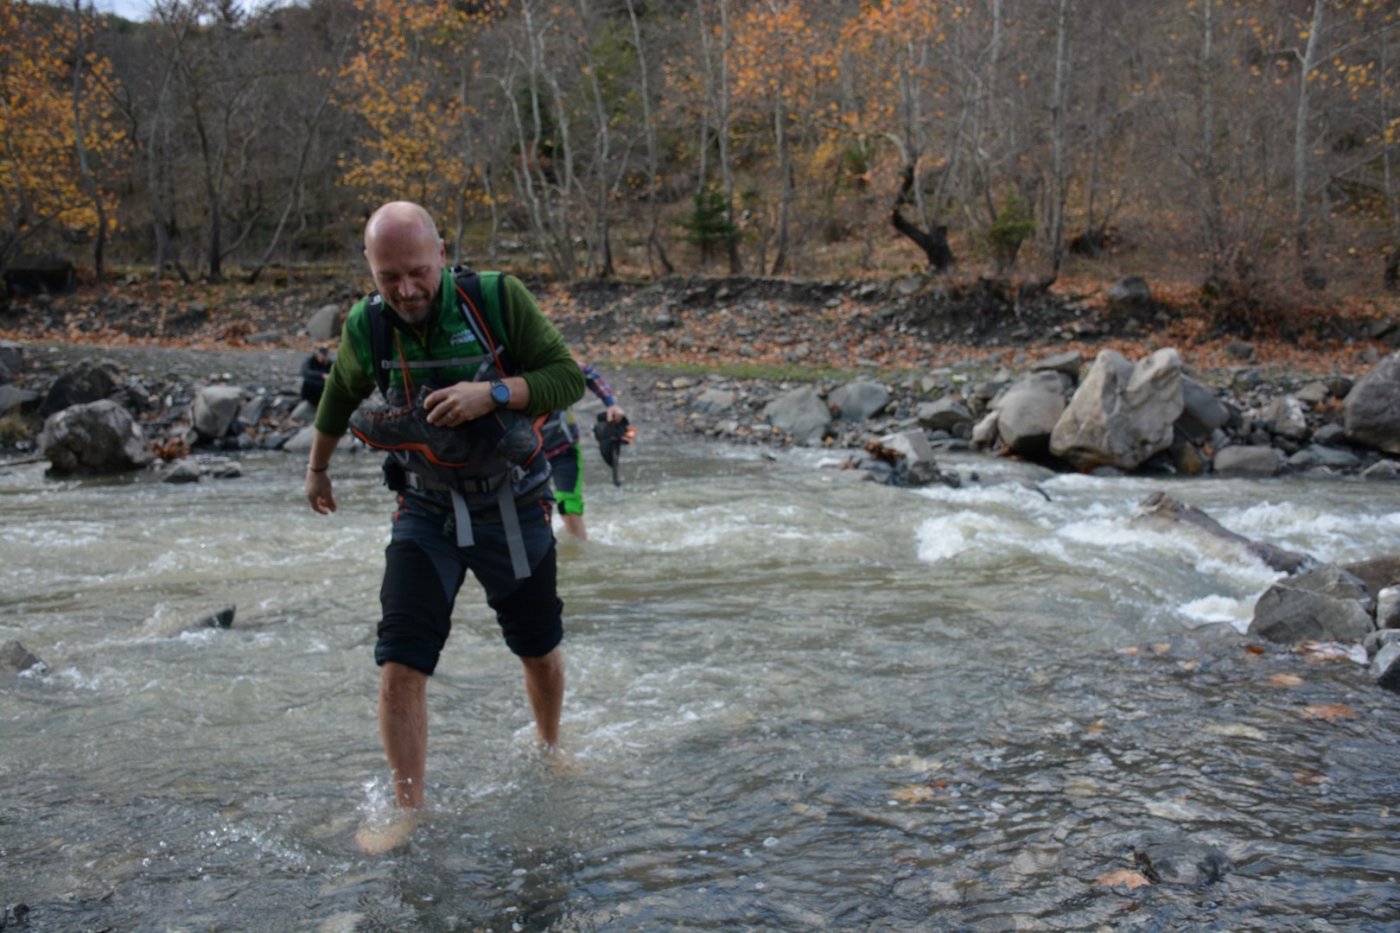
<point>406,257</point>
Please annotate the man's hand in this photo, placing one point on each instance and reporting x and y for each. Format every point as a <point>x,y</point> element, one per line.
<point>459,403</point>
<point>318,492</point>
<point>615,413</point>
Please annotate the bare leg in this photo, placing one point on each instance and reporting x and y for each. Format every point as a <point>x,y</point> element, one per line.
<point>544,684</point>
<point>403,726</point>
<point>573,524</point>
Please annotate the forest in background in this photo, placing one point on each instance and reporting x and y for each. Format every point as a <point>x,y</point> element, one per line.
<point>1246,147</point>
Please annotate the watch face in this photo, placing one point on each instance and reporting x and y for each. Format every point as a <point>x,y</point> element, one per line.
<point>500,393</point>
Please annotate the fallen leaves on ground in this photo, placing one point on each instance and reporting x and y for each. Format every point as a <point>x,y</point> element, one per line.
<point>1329,712</point>
<point>1285,680</point>
<point>1125,877</point>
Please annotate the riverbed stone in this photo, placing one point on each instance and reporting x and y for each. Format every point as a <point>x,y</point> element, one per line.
<point>82,383</point>
<point>1316,455</point>
<point>1284,417</point>
<point>1180,861</point>
<point>1385,668</point>
<point>1289,615</point>
<point>713,401</point>
<point>1372,409</point>
<point>182,471</point>
<point>945,414</point>
<point>324,325</point>
<point>11,360</point>
<point>1201,411</point>
<point>1070,362</point>
<point>215,410</point>
<point>1376,573</point>
<point>856,401</point>
<point>1388,608</point>
<point>800,413</point>
<point>1381,471</point>
<point>94,438</point>
<point>1249,460</point>
<point>1028,411</point>
<point>16,659</point>
<point>1122,414</point>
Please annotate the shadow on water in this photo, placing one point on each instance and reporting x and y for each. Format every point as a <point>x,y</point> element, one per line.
<point>795,702</point>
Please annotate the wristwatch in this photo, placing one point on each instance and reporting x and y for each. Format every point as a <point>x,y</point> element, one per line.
<point>500,393</point>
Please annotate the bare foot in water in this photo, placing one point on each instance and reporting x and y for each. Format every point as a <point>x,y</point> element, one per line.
<point>377,839</point>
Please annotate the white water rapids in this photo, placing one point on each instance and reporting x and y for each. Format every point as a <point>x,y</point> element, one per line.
<point>795,702</point>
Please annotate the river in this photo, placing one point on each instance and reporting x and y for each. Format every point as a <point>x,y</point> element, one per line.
<point>796,702</point>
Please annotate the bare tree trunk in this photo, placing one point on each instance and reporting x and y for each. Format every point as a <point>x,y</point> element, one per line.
<point>726,168</point>
<point>656,251</point>
<point>1300,142</point>
<point>94,192</point>
<point>1057,138</point>
<point>1391,276</point>
<point>934,241</point>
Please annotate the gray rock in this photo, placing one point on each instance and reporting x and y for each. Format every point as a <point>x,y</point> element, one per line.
<point>714,401</point>
<point>1122,414</point>
<point>1069,362</point>
<point>1314,393</point>
<point>1180,862</point>
<point>1385,669</point>
<point>1160,506</point>
<point>83,383</point>
<point>221,619</point>
<point>1248,460</point>
<point>1315,455</point>
<point>1201,411</point>
<point>227,469</point>
<point>1330,435</point>
<point>17,659</point>
<point>1284,416</point>
<point>1372,413</point>
<point>1130,290</point>
<point>1388,608</point>
<point>1028,411</point>
<point>1381,471</point>
<point>1240,350</point>
<point>94,438</point>
<point>11,359</point>
<point>1334,581</point>
<point>800,413</point>
<point>182,471</point>
<point>984,434</point>
<point>13,397</point>
<point>1377,573</point>
<point>946,414</point>
<point>215,410</point>
<point>1289,615</point>
<point>324,325</point>
<point>252,410</point>
<point>859,400</point>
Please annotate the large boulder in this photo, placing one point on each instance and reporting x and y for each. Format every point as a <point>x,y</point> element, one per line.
<point>856,401</point>
<point>800,413</point>
<point>324,325</point>
<point>215,408</point>
<point>1372,414</point>
<point>1122,414</point>
<point>1202,412</point>
<point>82,383</point>
<point>1323,604</point>
<point>94,438</point>
<point>1028,411</point>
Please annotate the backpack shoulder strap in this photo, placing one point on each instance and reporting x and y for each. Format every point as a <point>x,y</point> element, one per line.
<point>483,308</point>
<point>380,338</point>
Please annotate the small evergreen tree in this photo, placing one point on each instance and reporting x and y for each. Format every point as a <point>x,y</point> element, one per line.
<point>1012,227</point>
<point>708,225</point>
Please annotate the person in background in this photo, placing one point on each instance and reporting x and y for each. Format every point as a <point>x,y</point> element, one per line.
<point>561,445</point>
<point>464,361</point>
<point>313,374</point>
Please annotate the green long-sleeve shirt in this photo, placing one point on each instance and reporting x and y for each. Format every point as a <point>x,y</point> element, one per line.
<point>531,340</point>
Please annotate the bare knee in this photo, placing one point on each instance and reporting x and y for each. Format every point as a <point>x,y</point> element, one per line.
<point>401,688</point>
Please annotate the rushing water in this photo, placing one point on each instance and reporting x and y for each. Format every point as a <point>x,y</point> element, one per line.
<point>795,702</point>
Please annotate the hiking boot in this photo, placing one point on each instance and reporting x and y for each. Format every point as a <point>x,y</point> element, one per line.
<point>407,428</point>
<point>506,434</point>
